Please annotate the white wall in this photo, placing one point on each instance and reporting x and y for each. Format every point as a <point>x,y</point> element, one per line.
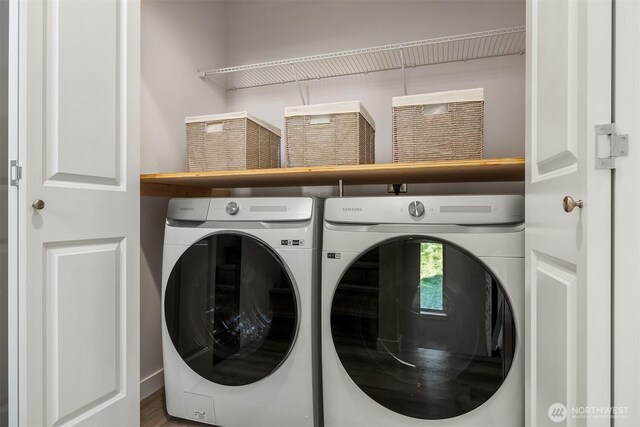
<point>178,37</point>
<point>266,30</point>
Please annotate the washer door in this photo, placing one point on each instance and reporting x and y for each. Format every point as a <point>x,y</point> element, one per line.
<point>423,328</point>
<point>230,309</point>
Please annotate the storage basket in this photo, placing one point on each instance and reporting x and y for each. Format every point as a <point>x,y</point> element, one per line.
<point>231,141</point>
<point>438,126</point>
<point>341,133</point>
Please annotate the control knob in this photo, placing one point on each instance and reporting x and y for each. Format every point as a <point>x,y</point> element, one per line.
<point>232,208</point>
<point>416,209</point>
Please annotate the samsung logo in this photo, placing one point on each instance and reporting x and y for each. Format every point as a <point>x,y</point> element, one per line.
<point>351,209</point>
<point>186,209</point>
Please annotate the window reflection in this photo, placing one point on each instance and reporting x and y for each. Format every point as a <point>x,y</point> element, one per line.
<point>425,355</point>
<point>231,309</point>
<point>431,277</point>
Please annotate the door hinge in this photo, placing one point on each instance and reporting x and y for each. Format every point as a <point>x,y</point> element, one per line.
<point>16,173</point>
<point>619,146</point>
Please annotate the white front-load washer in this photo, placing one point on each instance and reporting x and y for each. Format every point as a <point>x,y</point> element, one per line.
<point>238,335</point>
<point>422,311</point>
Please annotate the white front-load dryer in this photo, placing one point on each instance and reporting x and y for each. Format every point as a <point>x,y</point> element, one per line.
<point>422,311</point>
<point>238,337</point>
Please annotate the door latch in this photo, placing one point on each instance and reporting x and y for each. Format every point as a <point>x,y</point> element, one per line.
<point>15,173</point>
<point>619,146</point>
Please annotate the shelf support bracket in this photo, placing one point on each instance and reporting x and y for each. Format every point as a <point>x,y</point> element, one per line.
<point>295,76</point>
<point>204,76</point>
<point>404,71</point>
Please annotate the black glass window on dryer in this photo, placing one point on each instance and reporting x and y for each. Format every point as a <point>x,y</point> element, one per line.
<point>231,309</point>
<point>423,328</point>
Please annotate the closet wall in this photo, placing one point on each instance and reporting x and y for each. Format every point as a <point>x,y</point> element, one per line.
<point>180,36</point>
<point>265,30</point>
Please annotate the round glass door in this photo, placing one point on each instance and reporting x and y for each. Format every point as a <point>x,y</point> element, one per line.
<point>230,309</point>
<point>423,328</point>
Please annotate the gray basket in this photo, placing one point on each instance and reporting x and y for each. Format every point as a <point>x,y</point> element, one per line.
<point>231,141</point>
<point>438,126</point>
<point>329,135</point>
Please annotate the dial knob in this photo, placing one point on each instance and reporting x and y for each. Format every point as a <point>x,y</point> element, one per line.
<point>232,208</point>
<point>416,209</point>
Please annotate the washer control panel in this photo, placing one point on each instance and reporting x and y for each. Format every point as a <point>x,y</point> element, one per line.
<point>416,209</point>
<point>232,208</point>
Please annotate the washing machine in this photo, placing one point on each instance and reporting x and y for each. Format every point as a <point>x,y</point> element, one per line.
<point>422,311</point>
<point>238,335</point>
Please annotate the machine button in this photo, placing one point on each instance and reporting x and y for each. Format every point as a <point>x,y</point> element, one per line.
<point>232,208</point>
<point>416,209</point>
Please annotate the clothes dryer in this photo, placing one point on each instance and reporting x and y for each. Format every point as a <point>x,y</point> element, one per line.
<point>422,311</point>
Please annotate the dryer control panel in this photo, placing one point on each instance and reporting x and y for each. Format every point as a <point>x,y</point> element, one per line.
<point>458,210</point>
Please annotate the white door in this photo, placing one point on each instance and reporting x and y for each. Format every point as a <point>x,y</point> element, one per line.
<point>568,267</point>
<point>79,260</point>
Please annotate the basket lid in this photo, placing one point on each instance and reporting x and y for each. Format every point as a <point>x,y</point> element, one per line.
<point>231,116</point>
<point>467,95</point>
<point>330,108</point>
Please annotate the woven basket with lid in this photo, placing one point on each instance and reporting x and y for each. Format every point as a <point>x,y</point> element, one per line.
<point>341,133</point>
<point>231,141</point>
<point>438,126</point>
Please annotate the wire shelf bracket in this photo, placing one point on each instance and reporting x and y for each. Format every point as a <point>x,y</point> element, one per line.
<point>462,47</point>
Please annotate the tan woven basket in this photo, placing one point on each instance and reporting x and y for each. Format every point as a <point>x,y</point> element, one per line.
<point>231,141</point>
<point>329,134</point>
<point>438,126</point>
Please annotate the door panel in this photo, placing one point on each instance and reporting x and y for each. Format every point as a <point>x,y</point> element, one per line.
<point>82,38</point>
<point>80,261</point>
<point>568,268</point>
<point>555,73</point>
<point>5,317</point>
<point>93,346</point>
<point>553,350</point>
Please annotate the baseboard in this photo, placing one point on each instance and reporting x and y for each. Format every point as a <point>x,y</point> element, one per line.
<point>152,383</point>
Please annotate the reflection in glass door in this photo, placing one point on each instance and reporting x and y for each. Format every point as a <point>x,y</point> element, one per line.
<point>231,309</point>
<point>4,138</point>
<point>423,328</point>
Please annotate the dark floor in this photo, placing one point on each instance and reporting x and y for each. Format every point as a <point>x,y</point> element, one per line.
<point>153,413</point>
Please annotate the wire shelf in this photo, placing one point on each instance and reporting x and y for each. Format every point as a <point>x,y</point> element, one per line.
<point>462,47</point>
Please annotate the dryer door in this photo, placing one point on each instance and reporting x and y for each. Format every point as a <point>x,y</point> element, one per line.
<point>423,328</point>
<point>230,309</point>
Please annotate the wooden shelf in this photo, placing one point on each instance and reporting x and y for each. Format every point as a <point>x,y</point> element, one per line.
<point>208,184</point>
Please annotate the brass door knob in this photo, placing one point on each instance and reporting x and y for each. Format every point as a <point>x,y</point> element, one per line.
<point>38,204</point>
<point>569,204</point>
